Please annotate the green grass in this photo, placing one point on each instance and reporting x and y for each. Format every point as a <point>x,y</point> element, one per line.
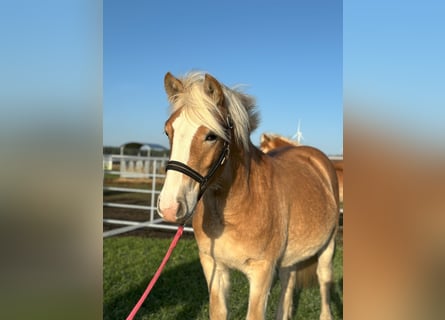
<point>181,292</point>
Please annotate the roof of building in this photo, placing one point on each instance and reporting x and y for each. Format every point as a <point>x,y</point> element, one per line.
<point>141,145</point>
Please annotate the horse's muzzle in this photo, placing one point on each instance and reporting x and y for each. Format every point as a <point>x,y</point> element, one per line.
<point>176,213</point>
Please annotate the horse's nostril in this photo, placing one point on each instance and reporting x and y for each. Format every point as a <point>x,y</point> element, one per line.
<point>169,213</point>
<point>181,210</point>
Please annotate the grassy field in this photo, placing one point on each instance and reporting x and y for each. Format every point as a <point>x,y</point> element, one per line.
<point>181,292</point>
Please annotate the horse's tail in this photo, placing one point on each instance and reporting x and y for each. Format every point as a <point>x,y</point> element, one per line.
<point>307,273</point>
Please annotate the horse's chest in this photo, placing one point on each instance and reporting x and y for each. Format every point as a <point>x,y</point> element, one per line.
<point>227,251</point>
<point>234,243</point>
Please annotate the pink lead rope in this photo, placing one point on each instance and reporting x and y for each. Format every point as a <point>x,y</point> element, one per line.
<point>157,274</point>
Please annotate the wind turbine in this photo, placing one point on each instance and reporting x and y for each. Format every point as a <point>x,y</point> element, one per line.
<point>298,135</point>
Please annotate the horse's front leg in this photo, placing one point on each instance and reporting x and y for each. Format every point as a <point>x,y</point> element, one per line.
<point>218,282</point>
<point>260,275</point>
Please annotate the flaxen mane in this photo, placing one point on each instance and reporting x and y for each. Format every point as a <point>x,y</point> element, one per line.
<point>200,108</point>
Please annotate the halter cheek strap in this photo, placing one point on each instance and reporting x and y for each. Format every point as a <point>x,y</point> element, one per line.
<point>202,180</point>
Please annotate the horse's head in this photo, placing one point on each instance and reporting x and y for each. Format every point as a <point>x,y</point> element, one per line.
<point>199,132</point>
<point>270,141</point>
<point>266,142</point>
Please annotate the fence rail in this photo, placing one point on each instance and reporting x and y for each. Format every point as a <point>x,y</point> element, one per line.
<point>136,167</point>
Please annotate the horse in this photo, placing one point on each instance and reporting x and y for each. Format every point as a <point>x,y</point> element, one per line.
<point>250,211</point>
<point>272,141</point>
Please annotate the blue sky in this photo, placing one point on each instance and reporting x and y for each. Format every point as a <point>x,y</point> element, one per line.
<point>287,53</point>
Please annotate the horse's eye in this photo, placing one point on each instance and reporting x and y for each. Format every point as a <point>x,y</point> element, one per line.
<point>211,137</point>
<point>166,133</point>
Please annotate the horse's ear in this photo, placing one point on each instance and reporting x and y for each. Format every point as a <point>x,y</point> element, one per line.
<point>213,89</point>
<point>264,138</point>
<point>172,86</point>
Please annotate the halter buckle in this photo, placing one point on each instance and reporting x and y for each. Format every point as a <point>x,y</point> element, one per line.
<point>226,154</point>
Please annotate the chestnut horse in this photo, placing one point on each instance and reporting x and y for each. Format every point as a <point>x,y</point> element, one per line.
<point>251,211</point>
<point>271,141</point>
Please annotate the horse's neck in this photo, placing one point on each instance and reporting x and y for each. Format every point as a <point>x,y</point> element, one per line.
<point>242,169</point>
<point>241,173</point>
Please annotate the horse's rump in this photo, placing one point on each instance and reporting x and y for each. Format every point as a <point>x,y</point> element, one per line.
<point>313,157</point>
<point>273,144</point>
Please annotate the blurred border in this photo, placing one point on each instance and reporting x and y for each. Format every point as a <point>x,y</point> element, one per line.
<point>51,160</point>
<point>394,134</point>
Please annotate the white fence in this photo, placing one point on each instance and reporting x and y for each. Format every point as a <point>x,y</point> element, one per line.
<point>130,167</point>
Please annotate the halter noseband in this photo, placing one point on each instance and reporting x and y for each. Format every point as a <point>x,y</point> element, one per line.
<point>203,180</point>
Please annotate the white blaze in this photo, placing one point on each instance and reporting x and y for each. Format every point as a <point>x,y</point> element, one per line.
<point>184,131</point>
